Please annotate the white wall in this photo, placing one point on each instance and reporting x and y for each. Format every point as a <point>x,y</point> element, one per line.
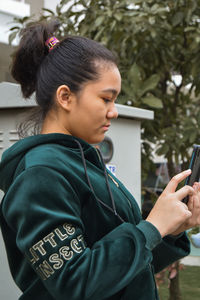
<point>51,4</point>
<point>125,134</point>
<point>8,10</point>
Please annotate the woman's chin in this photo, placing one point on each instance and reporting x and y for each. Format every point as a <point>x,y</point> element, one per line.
<point>96,141</point>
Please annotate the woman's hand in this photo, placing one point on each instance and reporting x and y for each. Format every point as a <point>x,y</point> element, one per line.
<point>194,207</point>
<point>169,212</point>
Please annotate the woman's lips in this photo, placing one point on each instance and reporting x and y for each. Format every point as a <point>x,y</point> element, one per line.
<point>106,126</point>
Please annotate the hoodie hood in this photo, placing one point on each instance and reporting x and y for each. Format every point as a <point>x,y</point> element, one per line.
<point>13,155</point>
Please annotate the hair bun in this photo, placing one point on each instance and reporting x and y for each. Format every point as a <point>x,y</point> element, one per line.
<point>30,54</point>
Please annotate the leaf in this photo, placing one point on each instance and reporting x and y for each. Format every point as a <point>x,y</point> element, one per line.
<point>84,29</point>
<point>130,13</point>
<point>99,21</point>
<point>112,25</point>
<point>83,3</point>
<point>193,136</point>
<point>109,12</point>
<point>49,11</point>
<point>154,8</point>
<point>122,100</point>
<point>177,18</point>
<point>153,33</point>
<point>15,27</point>
<point>150,84</point>
<point>152,20</point>
<point>197,39</point>
<point>152,101</point>
<point>163,149</point>
<point>99,33</point>
<point>12,36</point>
<point>198,118</point>
<point>135,77</point>
<point>58,10</point>
<point>63,2</point>
<point>127,89</point>
<point>118,16</point>
<point>24,19</point>
<point>189,28</point>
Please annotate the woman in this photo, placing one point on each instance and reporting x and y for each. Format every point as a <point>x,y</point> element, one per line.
<point>71,229</point>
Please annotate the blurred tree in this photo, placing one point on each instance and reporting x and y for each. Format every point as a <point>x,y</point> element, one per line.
<point>158,46</point>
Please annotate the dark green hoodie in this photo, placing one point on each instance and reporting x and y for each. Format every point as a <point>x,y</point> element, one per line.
<point>73,233</point>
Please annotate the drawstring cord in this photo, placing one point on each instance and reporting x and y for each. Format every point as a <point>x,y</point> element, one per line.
<point>113,208</point>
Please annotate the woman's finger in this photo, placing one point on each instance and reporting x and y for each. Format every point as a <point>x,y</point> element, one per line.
<point>190,203</point>
<point>196,201</point>
<point>172,185</point>
<point>196,186</point>
<point>195,209</point>
<point>184,191</point>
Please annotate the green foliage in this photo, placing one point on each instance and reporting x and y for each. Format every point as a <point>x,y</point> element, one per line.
<point>189,284</point>
<point>153,40</point>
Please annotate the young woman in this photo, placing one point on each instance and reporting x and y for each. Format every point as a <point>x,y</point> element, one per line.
<point>71,229</point>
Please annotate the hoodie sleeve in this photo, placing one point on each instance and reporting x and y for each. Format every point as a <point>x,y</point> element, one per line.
<point>171,249</point>
<point>45,212</point>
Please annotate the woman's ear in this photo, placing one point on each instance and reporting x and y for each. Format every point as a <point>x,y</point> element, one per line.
<point>64,97</point>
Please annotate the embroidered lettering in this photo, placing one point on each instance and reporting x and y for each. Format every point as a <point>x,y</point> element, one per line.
<point>38,246</point>
<point>46,269</point>
<point>58,262</point>
<point>61,236</point>
<point>34,258</point>
<point>74,246</point>
<point>69,228</point>
<point>41,274</point>
<point>80,238</point>
<point>65,253</point>
<point>49,238</point>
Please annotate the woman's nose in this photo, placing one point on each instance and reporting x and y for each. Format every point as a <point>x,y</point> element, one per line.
<point>112,113</point>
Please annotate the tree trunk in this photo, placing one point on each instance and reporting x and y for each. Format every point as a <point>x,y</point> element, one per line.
<point>174,286</point>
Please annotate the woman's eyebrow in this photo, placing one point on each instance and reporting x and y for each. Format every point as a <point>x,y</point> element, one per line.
<point>113,91</point>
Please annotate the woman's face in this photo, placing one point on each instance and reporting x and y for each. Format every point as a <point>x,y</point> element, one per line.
<point>94,106</point>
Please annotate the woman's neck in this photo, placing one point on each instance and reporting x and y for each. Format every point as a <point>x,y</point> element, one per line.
<point>52,124</point>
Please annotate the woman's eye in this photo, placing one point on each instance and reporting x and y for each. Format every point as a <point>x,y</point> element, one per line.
<point>106,100</point>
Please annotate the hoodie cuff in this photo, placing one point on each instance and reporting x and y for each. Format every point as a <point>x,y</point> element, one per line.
<point>175,237</point>
<point>152,235</point>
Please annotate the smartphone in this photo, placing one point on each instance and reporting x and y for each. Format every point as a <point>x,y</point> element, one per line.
<point>195,167</point>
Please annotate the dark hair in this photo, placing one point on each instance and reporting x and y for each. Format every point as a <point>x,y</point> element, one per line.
<point>71,62</point>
